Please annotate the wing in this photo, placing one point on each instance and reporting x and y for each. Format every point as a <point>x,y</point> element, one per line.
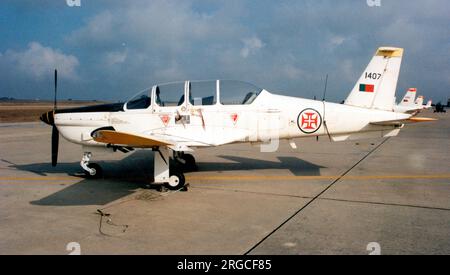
<point>403,121</point>
<point>131,140</point>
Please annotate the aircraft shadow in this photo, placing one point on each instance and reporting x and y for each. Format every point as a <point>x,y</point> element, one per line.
<point>121,178</point>
<point>124,177</point>
<point>297,166</point>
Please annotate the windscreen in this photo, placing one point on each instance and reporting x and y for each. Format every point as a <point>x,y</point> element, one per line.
<point>141,100</point>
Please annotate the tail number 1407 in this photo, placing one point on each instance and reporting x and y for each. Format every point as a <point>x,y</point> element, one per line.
<point>374,76</point>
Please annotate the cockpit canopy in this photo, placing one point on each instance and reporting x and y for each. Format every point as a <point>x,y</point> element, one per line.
<point>141,100</point>
<point>237,92</point>
<point>199,93</point>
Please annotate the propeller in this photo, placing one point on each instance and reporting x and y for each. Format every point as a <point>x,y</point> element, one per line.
<point>55,132</point>
<point>49,118</point>
<point>55,145</point>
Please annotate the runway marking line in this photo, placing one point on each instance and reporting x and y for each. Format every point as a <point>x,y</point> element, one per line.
<point>250,178</point>
<point>294,178</point>
<point>37,178</point>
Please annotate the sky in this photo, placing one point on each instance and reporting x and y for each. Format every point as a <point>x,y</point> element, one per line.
<point>111,49</point>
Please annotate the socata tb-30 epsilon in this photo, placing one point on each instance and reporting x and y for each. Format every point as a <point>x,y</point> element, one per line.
<point>171,119</point>
<point>410,104</point>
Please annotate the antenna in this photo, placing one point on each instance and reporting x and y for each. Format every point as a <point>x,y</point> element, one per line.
<point>325,89</point>
<point>324,109</point>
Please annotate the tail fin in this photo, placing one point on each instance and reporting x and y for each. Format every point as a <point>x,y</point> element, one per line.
<point>428,106</point>
<point>376,87</point>
<point>419,101</point>
<point>409,98</point>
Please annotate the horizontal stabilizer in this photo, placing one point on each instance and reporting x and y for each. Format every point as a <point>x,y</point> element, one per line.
<point>125,139</point>
<point>403,121</point>
<point>366,135</point>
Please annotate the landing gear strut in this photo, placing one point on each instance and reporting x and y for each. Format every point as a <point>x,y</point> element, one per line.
<point>187,161</point>
<point>92,170</point>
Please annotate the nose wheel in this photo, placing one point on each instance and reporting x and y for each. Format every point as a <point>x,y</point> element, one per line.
<point>92,170</point>
<point>96,171</point>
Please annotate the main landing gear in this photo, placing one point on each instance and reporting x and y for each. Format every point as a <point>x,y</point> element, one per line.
<point>172,177</point>
<point>92,170</point>
<point>186,161</point>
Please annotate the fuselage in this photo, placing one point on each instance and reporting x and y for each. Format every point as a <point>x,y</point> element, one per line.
<point>269,116</point>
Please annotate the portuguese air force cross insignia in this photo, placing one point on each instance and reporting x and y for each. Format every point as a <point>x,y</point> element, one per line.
<point>309,121</point>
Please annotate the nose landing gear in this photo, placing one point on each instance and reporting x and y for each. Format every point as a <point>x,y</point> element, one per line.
<point>92,170</point>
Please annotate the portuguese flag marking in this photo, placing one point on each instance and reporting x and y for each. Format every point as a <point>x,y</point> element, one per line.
<point>366,88</point>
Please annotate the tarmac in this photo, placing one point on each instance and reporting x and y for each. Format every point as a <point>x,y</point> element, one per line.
<point>387,196</point>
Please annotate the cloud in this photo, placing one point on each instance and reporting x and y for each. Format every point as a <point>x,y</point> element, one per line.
<point>115,57</point>
<point>337,40</point>
<point>170,26</point>
<point>347,70</point>
<point>38,61</point>
<point>251,46</point>
<point>292,72</point>
<point>293,50</point>
<point>287,46</point>
<point>162,38</point>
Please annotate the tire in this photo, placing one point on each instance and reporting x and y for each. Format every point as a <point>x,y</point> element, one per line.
<point>177,181</point>
<point>189,162</point>
<point>98,171</point>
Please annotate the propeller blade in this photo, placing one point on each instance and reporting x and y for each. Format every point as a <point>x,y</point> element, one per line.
<point>55,144</point>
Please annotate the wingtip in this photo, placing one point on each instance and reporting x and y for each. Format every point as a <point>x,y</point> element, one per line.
<point>422,119</point>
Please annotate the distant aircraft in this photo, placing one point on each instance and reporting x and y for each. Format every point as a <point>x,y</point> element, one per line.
<point>419,103</point>
<point>410,104</point>
<point>409,98</point>
<point>429,105</point>
<point>173,119</point>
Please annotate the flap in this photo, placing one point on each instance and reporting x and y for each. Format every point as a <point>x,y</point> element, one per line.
<point>131,140</point>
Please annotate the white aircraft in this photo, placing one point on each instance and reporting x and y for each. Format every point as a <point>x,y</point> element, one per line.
<point>409,98</point>
<point>410,104</point>
<point>177,117</point>
<point>429,105</point>
<point>419,103</point>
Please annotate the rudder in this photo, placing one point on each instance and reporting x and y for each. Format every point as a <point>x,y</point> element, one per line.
<point>376,87</point>
<point>409,98</point>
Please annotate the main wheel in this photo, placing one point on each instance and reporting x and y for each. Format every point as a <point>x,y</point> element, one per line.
<point>176,181</point>
<point>189,162</point>
<point>98,171</point>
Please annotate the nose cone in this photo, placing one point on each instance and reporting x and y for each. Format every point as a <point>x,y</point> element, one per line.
<point>48,118</point>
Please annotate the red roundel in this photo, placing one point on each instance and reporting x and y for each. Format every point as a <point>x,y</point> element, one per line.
<point>309,121</point>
